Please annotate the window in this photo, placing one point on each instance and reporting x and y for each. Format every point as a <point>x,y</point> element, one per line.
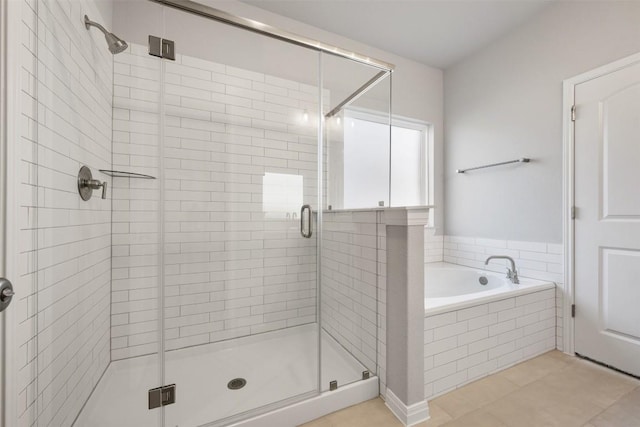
<point>366,163</point>
<point>368,156</point>
<point>281,195</point>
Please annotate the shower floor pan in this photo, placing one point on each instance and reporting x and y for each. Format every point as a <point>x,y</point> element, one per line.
<point>278,367</point>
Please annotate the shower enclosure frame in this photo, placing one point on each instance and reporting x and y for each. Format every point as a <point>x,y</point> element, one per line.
<point>10,112</point>
<point>267,30</point>
<point>9,126</point>
<point>385,70</point>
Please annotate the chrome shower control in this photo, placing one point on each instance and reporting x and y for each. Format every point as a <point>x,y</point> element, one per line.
<point>86,184</point>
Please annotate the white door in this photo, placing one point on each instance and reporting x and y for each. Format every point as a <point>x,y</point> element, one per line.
<point>607,226</point>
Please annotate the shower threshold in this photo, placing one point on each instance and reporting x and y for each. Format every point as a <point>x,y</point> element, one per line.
<point>279,367</point>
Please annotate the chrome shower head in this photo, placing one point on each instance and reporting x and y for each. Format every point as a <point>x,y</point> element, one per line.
<point>115,43</point>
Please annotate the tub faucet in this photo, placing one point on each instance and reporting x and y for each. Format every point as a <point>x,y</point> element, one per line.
<point>512,273</point>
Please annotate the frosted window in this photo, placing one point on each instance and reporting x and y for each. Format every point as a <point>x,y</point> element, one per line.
<point>281,195</point>
<point>407,164</point>
<point>366,165</point>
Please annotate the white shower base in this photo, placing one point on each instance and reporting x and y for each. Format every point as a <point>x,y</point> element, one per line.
<point>278,366</point>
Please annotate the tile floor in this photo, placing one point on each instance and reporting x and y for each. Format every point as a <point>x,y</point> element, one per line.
<point>550,390</point>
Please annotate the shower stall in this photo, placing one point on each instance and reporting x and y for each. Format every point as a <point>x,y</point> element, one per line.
<point>185,277</point>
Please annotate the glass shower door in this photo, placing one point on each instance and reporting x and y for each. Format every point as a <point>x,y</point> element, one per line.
<point>239,199</point>
<point>357,146</point>
<point>88,335</point>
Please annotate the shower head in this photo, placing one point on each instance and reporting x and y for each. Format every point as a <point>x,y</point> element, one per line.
<point>115,43</point>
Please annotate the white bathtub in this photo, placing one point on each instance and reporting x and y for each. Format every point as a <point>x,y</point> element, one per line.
<point>472,330</point>
<point>451,287</point>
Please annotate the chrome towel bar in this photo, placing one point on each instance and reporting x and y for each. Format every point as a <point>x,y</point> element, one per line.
<point>522,160</point>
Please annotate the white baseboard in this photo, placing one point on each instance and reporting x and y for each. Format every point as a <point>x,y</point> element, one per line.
<point>408,415</point>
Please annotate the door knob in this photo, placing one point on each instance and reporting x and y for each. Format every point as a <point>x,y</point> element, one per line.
<point>6,293</point>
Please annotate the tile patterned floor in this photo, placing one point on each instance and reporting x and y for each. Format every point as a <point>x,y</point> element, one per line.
<point>550,390</point>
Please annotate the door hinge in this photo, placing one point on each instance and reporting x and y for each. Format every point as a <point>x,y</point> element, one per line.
<point>573,113</point>
<point>573,310</point>
<point>162,396</point>
<point>573,212</point>
<point>162,48</point>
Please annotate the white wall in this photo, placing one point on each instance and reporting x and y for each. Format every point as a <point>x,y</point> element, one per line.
<point>505,102</point>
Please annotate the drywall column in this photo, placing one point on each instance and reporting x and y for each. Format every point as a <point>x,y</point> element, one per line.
<point>405,313</point>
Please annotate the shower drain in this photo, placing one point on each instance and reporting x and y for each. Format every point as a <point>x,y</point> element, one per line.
<point>236,383</point>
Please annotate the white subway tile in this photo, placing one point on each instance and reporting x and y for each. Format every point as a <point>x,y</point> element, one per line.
<point>449,330</point>
<point>527,246</point>
<point>471,313</point>
<point>473,336</point>
<point>439,320</point>
<point>450,356</point>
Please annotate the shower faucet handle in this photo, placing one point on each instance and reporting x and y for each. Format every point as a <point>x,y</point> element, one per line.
<point>94,184</point>
<point>86,184</point>
<point>104,189</point>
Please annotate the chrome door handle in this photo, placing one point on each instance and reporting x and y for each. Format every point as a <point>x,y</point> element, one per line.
<point>6,293</point>
<point>306,228</point>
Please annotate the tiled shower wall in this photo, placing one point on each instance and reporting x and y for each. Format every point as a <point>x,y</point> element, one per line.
<point>136,227</point>
<point>230,268</point>
<point>536,260</point>
<point>354,285</point>
<point>62,296</point>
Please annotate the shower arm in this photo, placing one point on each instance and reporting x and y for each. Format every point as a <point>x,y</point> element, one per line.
<point>115,43</point>
<point>89,23</point>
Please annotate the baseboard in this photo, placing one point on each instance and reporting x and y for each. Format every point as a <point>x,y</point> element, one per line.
<point>408,415</point>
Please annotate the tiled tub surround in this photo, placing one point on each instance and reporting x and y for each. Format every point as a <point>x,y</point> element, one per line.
<point>471,340</point>
<point>535,260</point>
<point>62,295</point>
<point>230,269</point>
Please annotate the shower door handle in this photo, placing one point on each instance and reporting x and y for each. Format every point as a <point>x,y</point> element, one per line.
<point>305,221</point>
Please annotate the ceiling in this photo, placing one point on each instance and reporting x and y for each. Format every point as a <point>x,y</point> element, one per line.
<point>436,33</point>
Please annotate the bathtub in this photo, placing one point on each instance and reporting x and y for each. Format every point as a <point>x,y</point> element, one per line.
<point>472,329</point>
<point>450,286</point>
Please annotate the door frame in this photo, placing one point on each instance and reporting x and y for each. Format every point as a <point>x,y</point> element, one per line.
<point>10,41</point>
<point>568,196</point>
